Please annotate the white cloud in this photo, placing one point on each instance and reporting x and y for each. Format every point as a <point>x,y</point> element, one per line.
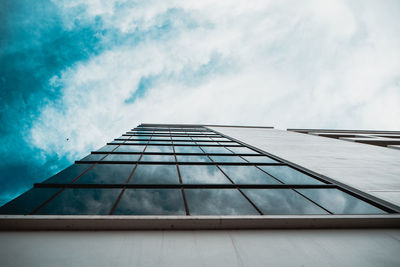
<point>287,64</point>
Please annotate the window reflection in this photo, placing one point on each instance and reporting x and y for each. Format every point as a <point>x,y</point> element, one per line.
<point>289,175</point>
<point>106,174</point>
<point>107,148</point>
<point>93,157</point>
<point>155,174</point>
<point>218,202</point>
<point>69,174</point>
<point>188,149</point>
<point>166,158</point>
<point>151,202</point>
<point>192,158</point>
<point>248,175</point>
<point>282,201</point>
<point>214,150</point>
<point>338,202</point>
<point>28,201</point>
<point>227,159</point>
<point>242,150</point>
<point>121,157</point>
<point>202,174</point>
<point>259,159</point>
<point>130,149</point>
<point>78,201</point>
<point>159,149</point>
<point>143,142</point>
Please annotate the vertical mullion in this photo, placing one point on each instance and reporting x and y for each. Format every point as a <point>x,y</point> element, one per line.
<point>180,178</point>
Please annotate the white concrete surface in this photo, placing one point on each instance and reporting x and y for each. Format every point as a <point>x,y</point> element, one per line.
<point>372,169</point>
<point>202,248</point>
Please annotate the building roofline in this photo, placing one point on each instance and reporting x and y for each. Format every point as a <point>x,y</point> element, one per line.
<point>342,131</point>
<point>206,125</point>
<point>113,222</point>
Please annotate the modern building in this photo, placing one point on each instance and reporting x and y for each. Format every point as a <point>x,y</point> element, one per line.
<point>206,195</point>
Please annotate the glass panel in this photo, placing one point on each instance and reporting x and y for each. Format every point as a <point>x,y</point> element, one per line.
<point>181,138</point>
<point>28,201</point>
<point>281,201</point>
<point>184,143</point>
<point>117,142</point>
<point>121,157</point>
<point>289,176</point>
<point>218,202</point>
<point>220,139</point>
<point>338,202</point>
<point>82,201</point>
<point>151,202</point>
<point>242,150</point>
<point>123,137</point>
<point>210,149</point>
<point>155,174</point>
<point>229,144</point>
<point>93,157</point>
<point>227,159</point>
<point>158,149</point>
<point>106,174</point>
<point>130,149</point>
<point>107,148</point>
<point>248,175</point>
<point>200,139</point>
<point>143,138</point>
<point>160,143</point>
<point>143,142</point>
<point>207,143</point>
<point>202,174</point>
<point>259,159</point>
<point>69,174</point>
<point>161,138</point>
<point>166,158</point>
<point>193,158</point>
<point>188,149</point>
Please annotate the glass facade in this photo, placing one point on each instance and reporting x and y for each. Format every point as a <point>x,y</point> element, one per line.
<point>165,170</point>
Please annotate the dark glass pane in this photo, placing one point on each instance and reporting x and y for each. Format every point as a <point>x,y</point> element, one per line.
<point>218,202</point>
<point>242,150</point>
<point>202,174</point>
<point>121,157</point>
<point>166,158</point>
<point>106,174</point>
<point>338,202</point>
<point>248,175</point>
<point>158,149</point>
<point>66,176</point>
<point>155,174</point>
<point>289,175</point>
<point>107,148</point>
<point>130,149</point>
<point>143,142</point>
<point>193,158</point>
<point>188,149</point>
<point>81,202</point>
<point>211,149</point>
<point>282,201</point>
<point>259,159</point>
<point>93,157</point>
<point>28,201</point>
<point>160,143</point>
<point>151,202</point>
<point>227,159</point>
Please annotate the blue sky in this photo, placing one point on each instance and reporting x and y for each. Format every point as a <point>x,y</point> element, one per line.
<point>87,71</point>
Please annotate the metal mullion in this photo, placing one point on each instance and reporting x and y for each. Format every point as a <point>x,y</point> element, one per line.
<point>312,201</point>
<point>47,201</point>
<point>273,177</point>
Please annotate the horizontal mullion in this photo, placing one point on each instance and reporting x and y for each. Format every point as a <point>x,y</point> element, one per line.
<point>165,144</point>
<point>178,154</point>
<point>180,163</point>
<point>203,186</point>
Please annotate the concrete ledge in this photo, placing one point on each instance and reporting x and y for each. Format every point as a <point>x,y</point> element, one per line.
<point>106,222</point>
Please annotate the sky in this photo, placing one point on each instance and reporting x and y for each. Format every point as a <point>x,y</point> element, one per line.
<point>74,74</point>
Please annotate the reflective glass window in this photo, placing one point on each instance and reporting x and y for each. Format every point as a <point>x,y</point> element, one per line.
<point>139,142</point>
<point>69,174</point>
<point>259,159</point>
<point>93,157</point>
<point>202,174</point>
<point>166,158</point>
<point>184,143</point>
<point>121,157</point>
<point>107,148</point>
<point>338,202</point>
<point>151,202</point>
<point>242,150</point>
<point>192,158</point>
<point>218,202</point>
<point>227,159</point>
<point>211,149</point>
<point>289,175</point>
<point>207,143</point>
<point>248,175</point>
<point>28,201</point>
<point>282,201</point>
<point>155,174</point>
<point>130,149</point>
<point>183,138</point>
<point>159,149</point>
<point>78,201</point>
<point>161,138</point>
<point>188,149</point>
<point>106,174</point>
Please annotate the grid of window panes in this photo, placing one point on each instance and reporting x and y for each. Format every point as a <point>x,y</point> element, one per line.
<point>167,170</point>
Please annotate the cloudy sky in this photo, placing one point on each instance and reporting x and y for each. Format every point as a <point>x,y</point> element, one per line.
<point>88,71</point>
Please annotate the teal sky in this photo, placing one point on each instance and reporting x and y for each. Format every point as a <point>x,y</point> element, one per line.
<point>87,71</point>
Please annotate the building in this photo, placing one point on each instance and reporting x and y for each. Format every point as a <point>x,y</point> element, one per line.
<point>213,195</point>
